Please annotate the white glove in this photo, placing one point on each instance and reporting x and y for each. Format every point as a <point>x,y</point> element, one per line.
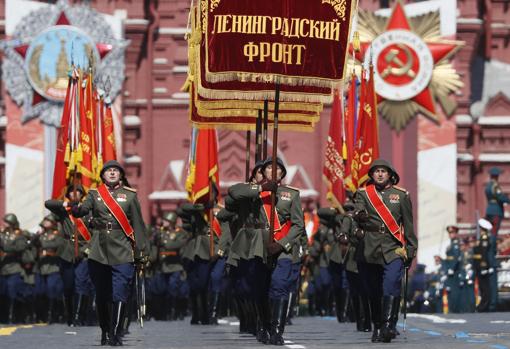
<point>443,278</point>
<point>450,271</point>
<point>491,270</point>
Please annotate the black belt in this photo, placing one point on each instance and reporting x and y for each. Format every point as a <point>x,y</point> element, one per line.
<point>256,226</point>
<point>381,230</point>
<point>107,225</point>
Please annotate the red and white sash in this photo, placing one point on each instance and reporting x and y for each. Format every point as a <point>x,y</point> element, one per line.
<point>384,213</point>
<point>116,211</point>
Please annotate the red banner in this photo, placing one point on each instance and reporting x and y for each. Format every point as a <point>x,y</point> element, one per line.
<point>366,149</point>
<point>108,134</point>
<point>298,42</point>
<point>334,163</point>
<point>350,121</point>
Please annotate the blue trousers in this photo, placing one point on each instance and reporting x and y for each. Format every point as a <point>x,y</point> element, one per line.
<point>217,276</point>
<point>82,283</point>
<point>50,285</point>
<point>384,279</point>
<point>175,285</point>
<point>283,279</point>
<point>112,282</point>
<point>198,275</point>
<point>11,285</point>
<point>323,279</point>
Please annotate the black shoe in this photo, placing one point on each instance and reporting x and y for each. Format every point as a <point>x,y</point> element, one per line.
<point>215,301</point>
<point>394,317</point>
<point>194,309</point>
<point>342,304</point>
<point>376,316</point>
<point>278,317</point>
<point>376,335</point>
<point>263,322</point>
<point>105,339</point>
<point>204,308</point>
<point>387,319</point>
<point>118,311</point>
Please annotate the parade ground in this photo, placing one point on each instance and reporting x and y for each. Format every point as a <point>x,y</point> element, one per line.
<point>487,330</point>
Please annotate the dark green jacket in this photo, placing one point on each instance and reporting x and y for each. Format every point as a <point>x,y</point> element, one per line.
<point>288,206</point>
<point>169,244</point>
<point>49,242</point>
<point>113,247</point>
<point>379,245</point>
<point>12,245</point>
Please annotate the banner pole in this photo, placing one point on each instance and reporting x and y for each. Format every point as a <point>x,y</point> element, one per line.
<point>248,146</point>
<point>273,165</point>
<point>264,129</point>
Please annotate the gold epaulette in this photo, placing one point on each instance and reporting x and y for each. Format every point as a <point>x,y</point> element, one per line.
<point>401,189</point>
<point>130,189</point>
<point>92,189</point>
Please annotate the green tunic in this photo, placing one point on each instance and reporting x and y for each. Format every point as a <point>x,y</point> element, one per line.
<point>379,245</point>
<point>12,245</point>
<point>112,246</point>
<point>169,245</point>
<point>49,242</point>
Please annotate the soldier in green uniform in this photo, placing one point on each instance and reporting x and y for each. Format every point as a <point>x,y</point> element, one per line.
<point>483,267</point>
<point>388,245</point>
<point>12,245</point>
<point>169,241</point>
<point>118,241</point>
<point>452,266</point>
<point>48,281</point>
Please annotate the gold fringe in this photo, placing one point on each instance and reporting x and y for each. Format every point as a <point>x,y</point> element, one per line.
<point>246,127</point>
<point>254,114</point>
<point>240,104</point>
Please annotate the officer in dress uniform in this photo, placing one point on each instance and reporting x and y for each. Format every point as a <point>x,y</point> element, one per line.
<point>483,267</point>
<point>169,240</point>
<point>12,245</point>
<point>496,200</point>
<point>79,281</point>
<point>48,281</point>
<point>452,265</point>
<point>388,244</point>
<point>118,241</point>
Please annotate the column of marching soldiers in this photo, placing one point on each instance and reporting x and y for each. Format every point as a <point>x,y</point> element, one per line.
<point>44,276</point>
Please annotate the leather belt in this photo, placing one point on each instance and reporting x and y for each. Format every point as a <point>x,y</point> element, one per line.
<point>107,225</point>
<point>382,230</point>
<point>168,253</point>
<point>49,253</point>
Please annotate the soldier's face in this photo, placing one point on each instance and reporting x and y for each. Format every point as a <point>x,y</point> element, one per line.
<point>111,176</point>
<point>268,172</point>
<point>381,176</point>
<point>259,176</point>
<point>75,195</point>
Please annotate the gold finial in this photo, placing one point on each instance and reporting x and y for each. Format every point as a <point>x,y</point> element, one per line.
<point>356,42</point>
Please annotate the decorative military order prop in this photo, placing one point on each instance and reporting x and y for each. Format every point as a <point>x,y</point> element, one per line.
<point>43,48</point>
<point>263,40</point>
<point>411,64</point>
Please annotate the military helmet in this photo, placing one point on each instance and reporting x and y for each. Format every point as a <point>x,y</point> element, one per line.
<point>279,163</point>
<point>10,218</point>
<point>495,171</point>
<point>394,177</point>
<point>77,187</point>
<point>110,164</point>
<point>230,203</point>
<point>50,218</point>
<point>170,217</point>
<point>258,164</point>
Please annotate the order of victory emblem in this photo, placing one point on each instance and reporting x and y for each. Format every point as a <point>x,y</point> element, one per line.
<point>411,61</point>
<point>46,44</point>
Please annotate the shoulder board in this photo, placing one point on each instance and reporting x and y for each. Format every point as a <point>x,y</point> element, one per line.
<point>401,189</point>
<point>362,189</point>
<point>130,189</point>
<point>288,186</point>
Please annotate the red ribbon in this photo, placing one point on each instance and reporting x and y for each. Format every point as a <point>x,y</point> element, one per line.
<point>117,211</point>
<point>383,212</point>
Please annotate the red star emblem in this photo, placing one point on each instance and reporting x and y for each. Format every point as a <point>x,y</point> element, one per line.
<point>439,50</point>
<point>102,48</point>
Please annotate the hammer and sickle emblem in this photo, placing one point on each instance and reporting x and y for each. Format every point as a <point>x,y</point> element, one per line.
<point>401,68</point>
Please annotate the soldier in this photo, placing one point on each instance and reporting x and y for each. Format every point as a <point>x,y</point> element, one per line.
<point>69,227</point>
<point>388,245</point>
<point>48,281</point>
<point>169,240</point>
<point>496,200</point>
<point>483,267</point>
<point>452,265</point>
<point>118,241</point>
<point>12,245</point>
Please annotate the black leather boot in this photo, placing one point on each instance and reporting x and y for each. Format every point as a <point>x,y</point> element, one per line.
<point>376,314</point>
<point>387,319</point>
<point>204,308</point>
<point>50,314</point>
<point>367,319</point>
<point>117,318</point>
<point>215,301</point>
<point>263,322</point>
<point>103,317</point>
<point>279,314</point>
<point>195,315</point>
<point>69,310</point>
<point>10,311</point>
<point>396,311</point>
<point>80,311</point>
<point>342,304</point>
<point>358,313</point>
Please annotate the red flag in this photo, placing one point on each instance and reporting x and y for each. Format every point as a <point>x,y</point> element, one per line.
<point>108,135</point>
<point>87,137</point>
<point>206,166</point>
<point>60,169</point>
<point>333,171</point>
<point>367,144</point>
<point>350,120</point>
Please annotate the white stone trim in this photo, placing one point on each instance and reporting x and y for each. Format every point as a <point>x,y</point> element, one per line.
<point>180,95</point>
<point>136,21</point>
<point>494,120</point>
<point>3,121</point>
<point>496,157</point>
<point>180,69</point>
<point>463,119</point>
<point>168,195</point>
<point>133,159</point>
<point>160,61</point>
<point>469,21</point>
<point>173,30</point>
<point>131,120</point>
<point>159,90</point>
<point>169,101</point>
<point>463,157</point>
